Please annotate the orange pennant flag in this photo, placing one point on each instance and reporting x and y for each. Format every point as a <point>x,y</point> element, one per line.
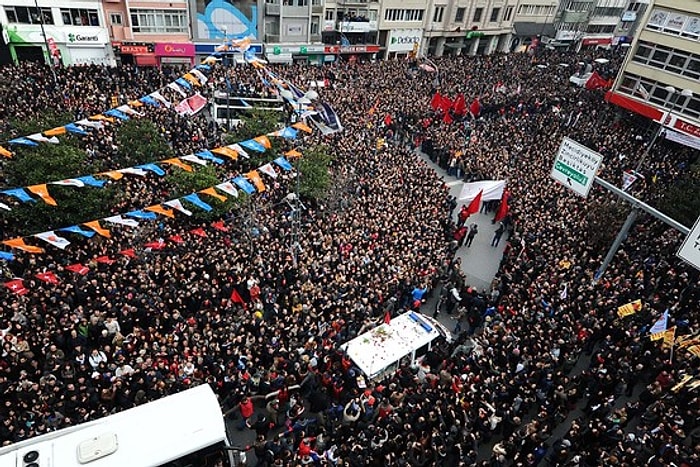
<point>102,118</point>
<point>20,245</point>
<point>254,177</point>
<point>212,192</point>
<point>293,154</point>
<point>113,174</point>
<point>135,103</point>
<point>161,210</point>
<point>95,225</point>
<point>58,131</point>
<point>264,140</point>
<point>302,126</point>
<point>5,152</point>
<point>43,192</point>
<point>178,163</point>
<point>228,152</point>
<point>257,65</point>
<point>189,77</point>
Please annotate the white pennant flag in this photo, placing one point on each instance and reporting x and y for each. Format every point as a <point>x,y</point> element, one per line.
<point>176,204</point>
<point>241,152</point>
<point>200,76</point>
<point>70,182</point>
<point>53,239</point>
<point>128,110</point>
<point>91,124</point>
<point>159,97</point>
<point>120,220</point>
<point>227,187</point>
<point>39,138</point>
<point>177,89</point>
<point>5,207</point>
<point>267,169</point>
<point>194,159</point>
<point>133,171</point>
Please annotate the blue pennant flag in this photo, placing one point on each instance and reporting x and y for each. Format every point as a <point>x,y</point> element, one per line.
<point>4,255</point>
<point>150,101</point>
<point>203,67</point>
<point>23,141</point>
<point>184,83</point>
<point>289,132</point>
<point>228,85</point>
<point>77,230</point>
<point>92,181</point>
<point>153,168</point>
<point>73,128</point>
<point>253,145</point>
<point>20,194</point>
<point>194,199</point>
<point>245,104</point>
<point>244,184</point>
<point>208,155</point>
<point>142,215</point>
<point>283,163</point>
<point>116,113</point>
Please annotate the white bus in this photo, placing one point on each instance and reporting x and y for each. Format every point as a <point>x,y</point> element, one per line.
<point>403,341</point>
<point>183,430</point>
<point>232,107</point>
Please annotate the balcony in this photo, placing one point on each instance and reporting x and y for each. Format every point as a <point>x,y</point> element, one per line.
<point>575,16</point>
<point>272,9</point>
<point>356,26</point>
<point>295,11</point>
<point>272,38</point>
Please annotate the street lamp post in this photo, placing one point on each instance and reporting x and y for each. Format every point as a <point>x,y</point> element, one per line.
<point>46,40</point>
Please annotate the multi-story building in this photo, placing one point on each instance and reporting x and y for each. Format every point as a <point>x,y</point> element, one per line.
<point>401,27</point>
<point>629,22</point>
<point>72,32</point>
<point>149,32</point>
<point>660,78</point>
<point>533,22</point>
<point>468,26</point>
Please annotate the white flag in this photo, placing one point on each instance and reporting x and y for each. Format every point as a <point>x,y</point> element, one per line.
<point>227,187</point>
<point>53,239</point>
<point>177,89</point>
<point>159,97</point>
<point>133,171</point>
<point>5,207</point>
<point>128,110</point>
<point>176,204</point>
<point>70,182</point>
<point>267,169</point>
<point>194,159</point>
<point>564,293</point>
<point>628,179</point>
<point>200,76</point>
<point>90,124</point>
<point>241,152</point>
<point>120,220</point>
<point>38,137</point>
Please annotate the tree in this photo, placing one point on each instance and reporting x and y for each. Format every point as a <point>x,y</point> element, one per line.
<point>183,183</point>
<point>46,120</point>
<point>681,200</point>
<point>139,142</point>
<point>315,174</point>
<point>256,123</point>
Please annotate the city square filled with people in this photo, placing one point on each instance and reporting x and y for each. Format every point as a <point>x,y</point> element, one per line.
<point>262,323</point>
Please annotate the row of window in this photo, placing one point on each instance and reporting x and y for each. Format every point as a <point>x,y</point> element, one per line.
<point>398,14</point>
<point>69,16</point>
<point>600,29</point>
<point>655,92</point>
<point>608,11</point>
<point>536,10</point>
<point>675,23</point>
<point>675,61</point>
<point>478,14</point>
<point>159,21</point>
<point>352,14</point>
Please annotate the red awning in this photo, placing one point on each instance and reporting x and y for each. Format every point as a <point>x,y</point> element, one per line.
<point>642,108</point>
<point>146,60</point>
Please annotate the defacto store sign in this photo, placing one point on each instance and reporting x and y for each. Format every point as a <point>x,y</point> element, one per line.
<point>576,166</point>
<point>402,40</point>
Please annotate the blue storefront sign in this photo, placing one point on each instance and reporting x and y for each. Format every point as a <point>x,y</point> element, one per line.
<point>207,49</point>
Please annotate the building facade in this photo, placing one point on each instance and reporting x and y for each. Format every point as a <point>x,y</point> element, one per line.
<point>533,23</point>
<point>660,78</point>
<point>74,32</point>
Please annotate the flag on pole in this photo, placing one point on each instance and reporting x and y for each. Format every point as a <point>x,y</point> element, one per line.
<point>629,308</point>
<point>387,317</point>
<point>78,269</point>
<point>658,329</point>
<point>475,204</point>
<point>503,207</point>
<point>48,277</point>
<point>669,338</point>
<point>53,239</point>
<point>17,286</point>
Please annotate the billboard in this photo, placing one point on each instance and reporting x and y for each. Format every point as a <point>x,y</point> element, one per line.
<point>226,19</point>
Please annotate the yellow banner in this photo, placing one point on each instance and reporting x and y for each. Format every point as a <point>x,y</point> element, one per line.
<point>629,308</point>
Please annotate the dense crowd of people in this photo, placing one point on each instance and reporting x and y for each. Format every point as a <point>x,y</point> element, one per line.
<point>140,328</point>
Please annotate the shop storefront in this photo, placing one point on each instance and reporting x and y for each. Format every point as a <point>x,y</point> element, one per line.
<point>353,53</point>
<point>312,54</point>
<point>401,42</point>
<point>68,45</point>
<point>135,53</point>
<point>175,53</point>
<point>596,41</point>
<point>205,49</point>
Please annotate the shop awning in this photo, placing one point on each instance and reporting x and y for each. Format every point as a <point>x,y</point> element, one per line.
<point>532,29</point>
<point>146,60</point>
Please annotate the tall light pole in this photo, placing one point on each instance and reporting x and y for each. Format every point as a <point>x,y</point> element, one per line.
<point>46,40</point>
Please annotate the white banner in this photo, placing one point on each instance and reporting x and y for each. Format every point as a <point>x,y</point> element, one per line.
<point>682,138</point>
<point>493,190</point>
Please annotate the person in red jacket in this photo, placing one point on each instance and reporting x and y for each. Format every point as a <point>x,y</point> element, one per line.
<point>247,409</point>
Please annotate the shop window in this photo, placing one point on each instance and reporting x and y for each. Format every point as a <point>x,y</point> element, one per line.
<point>28,15</point>
<point>495,13</point>
<point>115,19</point>
<point>478,13</point>
<point>459,16</point>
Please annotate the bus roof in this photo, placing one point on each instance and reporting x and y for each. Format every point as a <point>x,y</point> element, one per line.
<point>148,435</point>
<point>386,344</point>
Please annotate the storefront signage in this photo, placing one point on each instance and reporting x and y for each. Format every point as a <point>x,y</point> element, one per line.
<point>174,50</point>
<point>403,40</point>
<point>133,49</point>
<point>296,50</point>
<point>82,38</point>
<point>351,49</point>
<point>629,16</point>
<point>686,127</point>
<point>596,41</point>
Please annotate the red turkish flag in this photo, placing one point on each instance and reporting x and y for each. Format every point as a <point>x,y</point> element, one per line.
<point>17,286</point>
<point>130,253</point>
<point>199,232</point>
<point>176,239</point>
<point>387,317</point>
<point>155,245</point>
<point>503,208</point>
<point>475,204</point>
<point>220,226</point>
<point>78,268</point>
<point>47,277</point>
<point>436,101</point>
<point>104,260</point>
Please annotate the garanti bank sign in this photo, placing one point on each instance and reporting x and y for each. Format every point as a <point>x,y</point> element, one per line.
<point>402,40</point>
